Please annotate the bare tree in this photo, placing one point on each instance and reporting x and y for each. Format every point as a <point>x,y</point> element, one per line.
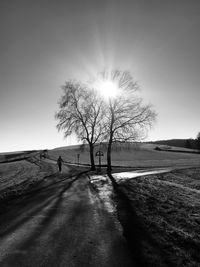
<point>128,119</point>
<point>80,112</point>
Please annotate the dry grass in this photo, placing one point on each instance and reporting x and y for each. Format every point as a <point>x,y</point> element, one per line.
<point>169,214</point>
<point>16,177</point>
<point>135,156</point>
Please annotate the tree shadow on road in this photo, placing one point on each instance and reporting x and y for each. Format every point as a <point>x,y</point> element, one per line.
<point>144,248</point>
<point>33,202</point>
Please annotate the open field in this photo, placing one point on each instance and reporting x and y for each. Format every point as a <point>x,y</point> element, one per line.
<point>165,212</point>
<point>21,176</point>
<point>17,177</point>
<point>139,155</point>
<point>18,155</point>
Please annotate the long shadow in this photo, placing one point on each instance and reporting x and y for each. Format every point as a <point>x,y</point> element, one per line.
<point>12,194</point>
<point>32,205</point>
<point>12,225</point>
<point>48,216</point>
<point>36,188</point>
<point>135,232</point>
<point>57,242</point>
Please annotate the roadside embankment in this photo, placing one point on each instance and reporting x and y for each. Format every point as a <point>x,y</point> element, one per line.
<point>160,215</point>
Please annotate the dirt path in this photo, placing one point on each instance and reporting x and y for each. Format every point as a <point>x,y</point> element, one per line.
<point>64,224</point>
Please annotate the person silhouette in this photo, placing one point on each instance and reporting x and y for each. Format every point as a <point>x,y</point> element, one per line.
<point>59,162</point>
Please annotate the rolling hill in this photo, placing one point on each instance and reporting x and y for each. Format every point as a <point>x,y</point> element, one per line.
<point>131,155</point>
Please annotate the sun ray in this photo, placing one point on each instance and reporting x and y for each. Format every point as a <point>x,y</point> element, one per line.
<point>107,88</point>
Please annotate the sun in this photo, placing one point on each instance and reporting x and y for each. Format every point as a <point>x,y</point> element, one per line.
<point>108,88</point>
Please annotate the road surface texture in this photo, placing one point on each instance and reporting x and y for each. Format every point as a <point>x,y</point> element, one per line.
<point>63,223</point>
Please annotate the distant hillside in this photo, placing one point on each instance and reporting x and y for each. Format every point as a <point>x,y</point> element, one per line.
<point>71,147</point>
<point>177,143</point>
<point>103,147</point>
<point>130,155</point>
<point>14,156</point>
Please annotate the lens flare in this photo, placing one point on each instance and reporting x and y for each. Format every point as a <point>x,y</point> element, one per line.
<point>108,89</point>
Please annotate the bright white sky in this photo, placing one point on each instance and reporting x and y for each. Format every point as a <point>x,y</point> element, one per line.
<point>44,43</point>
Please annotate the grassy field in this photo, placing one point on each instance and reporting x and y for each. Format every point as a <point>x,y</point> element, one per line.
<point>14,156</point>
<point>17,177</point>
<point>166,217</point>
<point>139,155</point>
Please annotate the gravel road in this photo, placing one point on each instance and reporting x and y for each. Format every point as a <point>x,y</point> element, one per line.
<point>63,224</point>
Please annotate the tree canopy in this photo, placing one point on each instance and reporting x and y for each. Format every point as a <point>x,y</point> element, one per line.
<point>109,109</point>
<point>127,118</point>
<point>81,112</point>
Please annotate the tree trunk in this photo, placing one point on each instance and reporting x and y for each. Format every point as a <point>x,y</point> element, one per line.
<point>92,157</point>
<point>109,149</point>
<point>109,162</point>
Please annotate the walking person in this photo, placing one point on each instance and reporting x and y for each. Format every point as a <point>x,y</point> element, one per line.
<point>59,162</point>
